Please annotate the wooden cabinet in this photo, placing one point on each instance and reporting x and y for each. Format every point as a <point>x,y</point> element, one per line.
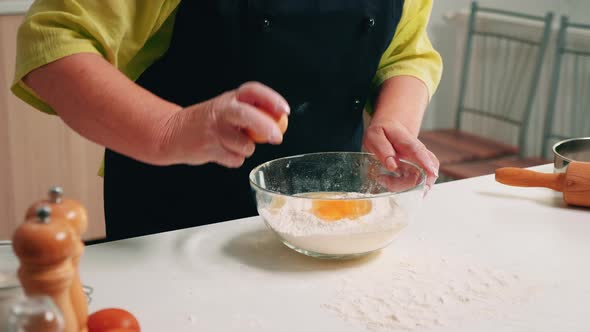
<point>38,151</point>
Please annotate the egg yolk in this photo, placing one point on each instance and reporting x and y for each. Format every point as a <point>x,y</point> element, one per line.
<point>334,210</point>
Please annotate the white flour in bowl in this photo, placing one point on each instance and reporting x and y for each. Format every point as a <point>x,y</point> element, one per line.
<point>294,221</point>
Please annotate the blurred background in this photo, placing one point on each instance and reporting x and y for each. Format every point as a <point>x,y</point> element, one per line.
<point>508,74</point>
<point>448,38</point>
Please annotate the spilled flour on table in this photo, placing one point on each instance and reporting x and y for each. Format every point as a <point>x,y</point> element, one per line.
<point>413,296</point>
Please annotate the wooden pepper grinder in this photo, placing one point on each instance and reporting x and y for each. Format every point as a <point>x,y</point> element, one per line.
<point>76,218</point>
<point>44,246</point>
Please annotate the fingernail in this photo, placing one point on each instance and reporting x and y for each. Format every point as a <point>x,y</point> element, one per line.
<point>284,107</point>
<point>390,163</point>
<point>427,188</point>
<point>276,136</point>
<point>433,169</point>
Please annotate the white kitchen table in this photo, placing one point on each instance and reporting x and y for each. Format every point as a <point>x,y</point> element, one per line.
<point>236,276</point>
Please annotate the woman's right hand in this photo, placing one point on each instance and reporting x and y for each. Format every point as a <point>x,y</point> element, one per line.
<point>215,130</point>
<point>100,103</point>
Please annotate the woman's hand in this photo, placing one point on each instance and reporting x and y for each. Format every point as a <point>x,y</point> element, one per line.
<point>214,131</point>
<point>96,100</point>
<point>391,139</point>
<point>393,130</point>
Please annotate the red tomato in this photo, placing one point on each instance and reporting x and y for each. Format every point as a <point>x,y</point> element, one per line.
<point>112,319</point>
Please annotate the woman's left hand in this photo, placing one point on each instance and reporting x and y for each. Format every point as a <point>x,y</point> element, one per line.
<point>391,139</point>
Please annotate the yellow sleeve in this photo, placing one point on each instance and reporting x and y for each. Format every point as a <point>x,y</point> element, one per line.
<point>129,34</point>
<point>410,52</point>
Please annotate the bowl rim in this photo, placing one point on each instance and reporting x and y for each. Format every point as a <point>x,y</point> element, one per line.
<point>420,185</point>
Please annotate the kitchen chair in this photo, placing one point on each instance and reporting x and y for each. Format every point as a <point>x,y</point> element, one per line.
<point>499,79</point>
<point>568,102</point>
<point>569,97</point>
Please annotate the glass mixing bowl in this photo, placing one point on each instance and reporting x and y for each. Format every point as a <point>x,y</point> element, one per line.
<point>336,204</point>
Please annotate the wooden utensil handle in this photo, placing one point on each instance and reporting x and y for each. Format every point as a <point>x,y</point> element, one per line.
<point>519,177</point>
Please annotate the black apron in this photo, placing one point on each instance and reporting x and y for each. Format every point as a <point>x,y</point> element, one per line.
<point>321,55</point>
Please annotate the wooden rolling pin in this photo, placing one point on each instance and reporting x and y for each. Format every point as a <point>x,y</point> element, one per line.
<point>575,183</point>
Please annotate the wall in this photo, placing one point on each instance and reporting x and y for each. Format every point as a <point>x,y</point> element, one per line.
<point>38,151</point>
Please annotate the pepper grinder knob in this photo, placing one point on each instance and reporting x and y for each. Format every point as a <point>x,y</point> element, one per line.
<point>56,194</point>
<point>43,214</point>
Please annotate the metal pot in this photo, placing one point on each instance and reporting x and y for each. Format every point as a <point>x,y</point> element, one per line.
<point>574,149</point>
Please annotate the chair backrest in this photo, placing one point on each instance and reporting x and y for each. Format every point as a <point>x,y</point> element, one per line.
<point>568,103</point>
<point>501,69</point>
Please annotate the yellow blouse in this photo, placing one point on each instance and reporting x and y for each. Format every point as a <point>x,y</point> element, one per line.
<point>133,34</point>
